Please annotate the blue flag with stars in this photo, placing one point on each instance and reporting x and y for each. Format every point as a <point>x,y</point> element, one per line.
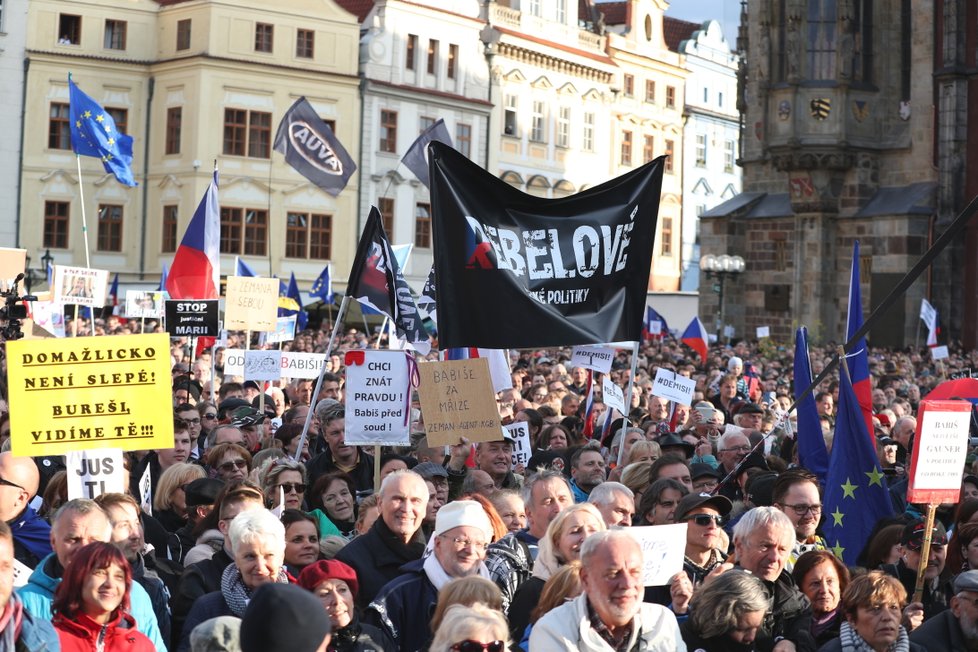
<point>93,133</point>
<point>856,495</point>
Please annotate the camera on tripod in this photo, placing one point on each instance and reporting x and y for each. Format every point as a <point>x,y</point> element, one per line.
<point>13,311</point>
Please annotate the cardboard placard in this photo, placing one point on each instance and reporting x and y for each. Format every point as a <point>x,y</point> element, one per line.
<point>192,318</point>
<point>596,358</point>
<point>670,385</point>
<point>92,473</point>
<point>80,286</point>
<point>612,395</point>
<point>142,304</point>
<point>663,547</point>
<point>939,352</point>
<point>457,400</point>
<point>262,365</point>
<point>13,262</point>
<point>940,448</point>
<point>50,316</point>
<point>655,327</point>
<point>251,304</point>
<point>763,331</point>
<point>378,399</point>
<point>81,393</point>
<point>522,449</point>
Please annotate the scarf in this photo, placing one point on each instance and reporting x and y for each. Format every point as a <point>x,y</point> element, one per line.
<point>409,551</point>
<point>853,642</point>
<point>11,621</point>
<point>236,593</point>
<point>437,575</point>
<point>32,532</point>
<point>546,562</point>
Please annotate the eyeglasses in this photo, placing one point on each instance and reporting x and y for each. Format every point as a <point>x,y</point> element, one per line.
<point>210,415</point>
<point>289,487</point>
<point>476,646</point>
<point>972,601</point>
<point>193,421</point>
<point>737,449</point>
<point>708,485</point>
<point>704,520</point>
<point>232,465</point>
<point>802,509</point>
<point>8,483</point>
<point>461,544</point>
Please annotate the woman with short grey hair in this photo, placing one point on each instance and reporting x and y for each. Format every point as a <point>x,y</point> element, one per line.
<point>727,614</point>
<point>283,480</point>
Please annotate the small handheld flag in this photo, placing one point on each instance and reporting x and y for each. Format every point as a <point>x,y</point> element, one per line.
<point>93,133</point>
<point>322,287</point>
<point>416,158</point>
<point>241,268</point>
<point>695,337</point>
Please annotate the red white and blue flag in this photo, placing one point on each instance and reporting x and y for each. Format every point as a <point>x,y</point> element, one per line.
<point>695,337</point>
<point>589,406</point>
<point>858,358</point>
<point>652,316</point>
<point>499,370</point>
<point>196,269</point>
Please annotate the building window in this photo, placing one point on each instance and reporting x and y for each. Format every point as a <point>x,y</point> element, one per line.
<point>626,148</point>
<point>174,124</point>
<point>588,137</point>
<point>509,116</point>
<point>183,34</point>
<point>244,231</point>
<point>411,54</point>
<point>706,95</point>
<point>386,207</point>
<point>862,62</point>
<point>69,29</point>
<point>168,243</point>
<point>452,61</point>
<point>533,7</point>
<point>720,100</point>
<point>560,12</point>
<point>115,35</point>
<point>729,155</point>
<point>648,148</point>
<point>56,224</point>
<point>563,126</point>
<point>388,131</point>
<point>701,150</point>
<point>305,43</point>
<point>670,97</point>
<point>665,243</point>
<point>629,85</point>
<point>308,236</point>
<point>432,56</point>
<point>425,123</point>
<point>463,139</point>
<point>649,90</point>
<point>120,117</point>
<point>296,235</point>
<point>821,39</point>
<point>59,127</point>
<point>264,34</point>
<point>538,125</point>
<point>109,227</point>
<point>422,226</point>
<point>670,148</point>
<point>247,133</point>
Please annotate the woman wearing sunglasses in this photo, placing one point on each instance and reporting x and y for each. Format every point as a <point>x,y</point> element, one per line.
<point>283,479</point>
<point>471,629</point>
<point>229,462</point>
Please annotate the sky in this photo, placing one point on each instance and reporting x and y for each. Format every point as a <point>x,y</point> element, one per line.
<point>725,11</point>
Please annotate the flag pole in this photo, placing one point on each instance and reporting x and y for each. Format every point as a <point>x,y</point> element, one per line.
<point>88,263</point>
<point>918,589</point>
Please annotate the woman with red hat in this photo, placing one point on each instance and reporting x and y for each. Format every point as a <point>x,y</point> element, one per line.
<point>335,584</point>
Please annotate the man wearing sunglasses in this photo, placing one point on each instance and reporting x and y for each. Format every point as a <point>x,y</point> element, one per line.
<point>704,515</point>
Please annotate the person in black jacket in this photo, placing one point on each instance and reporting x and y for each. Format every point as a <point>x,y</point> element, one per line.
<point>726,615</point>
<point>394,539</point>
<point>340,457</point>
<point>955,629</point>
<point>823,579</point>
<point>937,584</point>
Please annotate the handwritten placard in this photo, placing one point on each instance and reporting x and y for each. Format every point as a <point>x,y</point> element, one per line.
<point>763,331</point>
<point>940,448</point>
<point>377,399</point>
<point>663,547</point>
<point>457,400</point>
<point>251,303</point>
<point>612,395</point>
<point>939,352</point>
<point>670,385</point>
<point>520,432</point>
<point>91,473</point>
<point>597,358</point>
<point>262,365</point>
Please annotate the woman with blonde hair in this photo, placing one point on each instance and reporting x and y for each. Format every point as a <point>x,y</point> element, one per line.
<point>636,476</point>
<point>471,629</point>
<point>466,591</point>
<point>642,451</point>
<point>170,502</point>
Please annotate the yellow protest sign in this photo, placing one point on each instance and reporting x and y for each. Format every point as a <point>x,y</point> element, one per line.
<point>89,392</point>
<point>251,304</point>
<point>457,401</point>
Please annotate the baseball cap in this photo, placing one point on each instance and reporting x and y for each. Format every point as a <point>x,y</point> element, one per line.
<point>689,502</point>
<point>913,534</point>
<point>246,416</point>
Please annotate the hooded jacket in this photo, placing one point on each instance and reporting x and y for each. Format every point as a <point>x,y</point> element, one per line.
<point>82,634</point>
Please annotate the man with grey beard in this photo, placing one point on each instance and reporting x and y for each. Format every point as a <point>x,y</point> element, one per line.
<point>954,629</point>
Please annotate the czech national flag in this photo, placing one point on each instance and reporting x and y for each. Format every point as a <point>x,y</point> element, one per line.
<point>196,269</point>
<point>589,406</point>
<point>858,357</point>
<point>650,316</point>
<point>695,337</point>
<point>812,452</point>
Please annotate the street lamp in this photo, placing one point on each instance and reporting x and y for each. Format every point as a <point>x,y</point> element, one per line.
<point>31,275</point>
<point>719,268</point>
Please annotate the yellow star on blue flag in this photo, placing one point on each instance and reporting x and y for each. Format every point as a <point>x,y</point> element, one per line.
<point>89,136</point>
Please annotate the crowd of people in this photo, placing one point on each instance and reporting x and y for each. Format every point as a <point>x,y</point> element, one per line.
<point>260,540</point>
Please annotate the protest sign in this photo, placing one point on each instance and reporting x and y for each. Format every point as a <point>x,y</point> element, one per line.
<point>262,365</point>
<point>80,286</point>
<point>196,318</point>
<point>939,451</point>
<point>655,327</point>
<point>598,358</point>
<point>522,449</point>
<point>763,331</point>
<point>612,395</point>
<point>91,473</point>
<point>939,352</point>
<point>670,385</point>
<point>142,304</point>
<point>378,398</point>
<point>663,547</point>
<point>963,373</point>
<point>13,262</point>
<point>302,365</point>
<point>89,392</point>
<point>251,303</point>
<point>284,330</point>
<point>728,332</point>
<point>457,401</point>
<point>50,316</point>
<point>146,492</point>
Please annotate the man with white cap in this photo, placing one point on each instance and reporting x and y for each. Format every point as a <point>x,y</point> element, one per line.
<point>457,549</point>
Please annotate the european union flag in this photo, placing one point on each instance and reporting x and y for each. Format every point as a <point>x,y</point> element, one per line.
<point>93,133</point>
<point>241,268</point>
<point>322,287</point>
<point>811,443</point>
<point>856,496</point>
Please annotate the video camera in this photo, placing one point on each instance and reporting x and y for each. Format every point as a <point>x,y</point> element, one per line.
<point>13,311</point>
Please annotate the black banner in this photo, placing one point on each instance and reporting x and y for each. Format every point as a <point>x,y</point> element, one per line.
<point>312,149</point>
<point>189,318</point>
<point>516,271</point>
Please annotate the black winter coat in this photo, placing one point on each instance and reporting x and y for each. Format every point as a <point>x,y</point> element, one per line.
<point>377,557</point>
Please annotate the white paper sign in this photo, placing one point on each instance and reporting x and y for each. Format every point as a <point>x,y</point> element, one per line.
<point>728,331</point>
<point>612,395</point>
<point>940,450</point>
<point>520,432</point>
<point>146,492</point>
<point>141,304</point>
<point>262,365</point>
<point>939,352</point>
<point>663,547</point>
<point>598,358</point>
<point>80,286</point>
<point>655,327</point>
<point>94,472</point>
<point>377,399</point>
<point>670,385</point>
<point>284,330</point>
<point>302,365</point>
<point>763,331</point>
<point>50,316</point>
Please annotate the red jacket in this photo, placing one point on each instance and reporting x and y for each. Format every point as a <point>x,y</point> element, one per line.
<point>81,634</point>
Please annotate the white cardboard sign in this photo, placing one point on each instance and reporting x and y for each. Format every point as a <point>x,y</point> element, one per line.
<point>142,304</point>
<point>939,352</point>
<point>939,452</point>
<point>670,385</point>
<point>763,331</point>
<point>663,547</point>
<point>262,365</point>
<point>612,395</point>
<point>94,472</point>
<point>597,358</point>
<point>80,286</point>
<point>520,432</point>
<point>377,399</point>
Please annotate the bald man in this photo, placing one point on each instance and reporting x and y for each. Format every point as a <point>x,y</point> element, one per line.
<point>19,480</point>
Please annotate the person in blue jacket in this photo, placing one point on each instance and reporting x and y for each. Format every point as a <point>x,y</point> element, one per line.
<point>35,634</point>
